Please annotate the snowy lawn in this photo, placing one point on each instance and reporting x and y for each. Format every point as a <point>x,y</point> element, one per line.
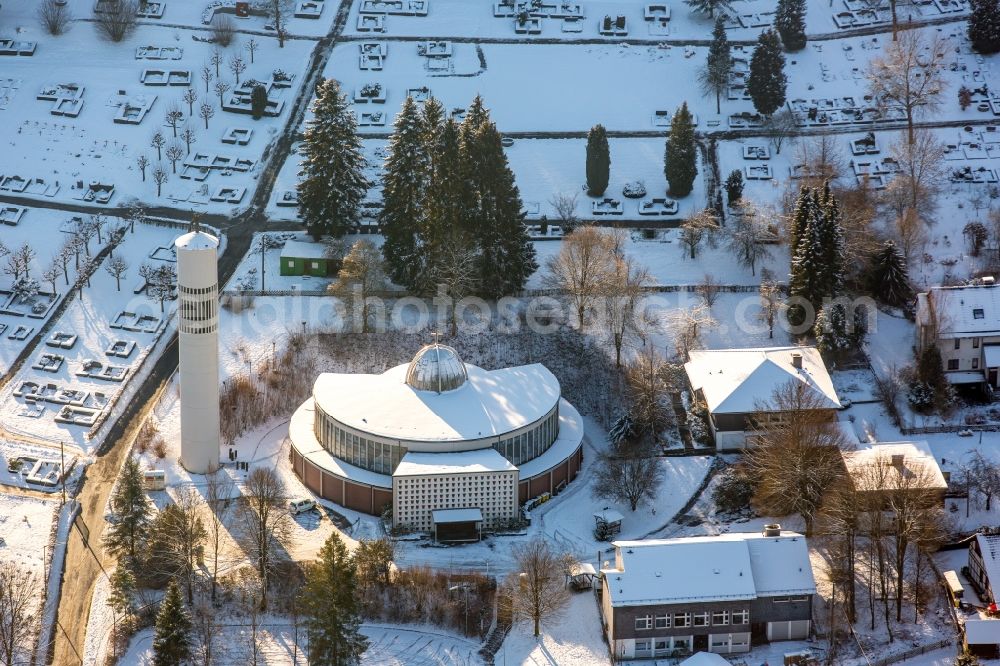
<point>574,638</point>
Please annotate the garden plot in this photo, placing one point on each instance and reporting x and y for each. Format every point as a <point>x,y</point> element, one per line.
<point>63,393</point>
<point>93,157</point>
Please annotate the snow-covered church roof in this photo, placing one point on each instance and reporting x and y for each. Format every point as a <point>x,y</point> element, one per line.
<point>737,381</point>
<point>403,403</point>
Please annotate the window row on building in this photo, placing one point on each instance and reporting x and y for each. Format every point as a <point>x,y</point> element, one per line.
<point>529,445</point>
<point>383,457</point>
<point>199,310</point>
<point>194,291</point>
<point>700,619</point>
<point>188,328</point>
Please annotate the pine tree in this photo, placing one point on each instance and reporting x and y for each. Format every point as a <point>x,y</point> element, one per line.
<point>506,257</point>
<point>984,26</point>
<point>330,606</point>
<point>406,172</point>
<point>790,22</point>
<point>888,277</point>
<point>709,6</point>
<point>817,239</point>
<point>680,159</point>
<point>767,82</point>
<point>126,534</point>
<point>833,335</point>
<point>172,641</point>
<point>332,182</point>
<point>715,75</point>
<point>598,161</point>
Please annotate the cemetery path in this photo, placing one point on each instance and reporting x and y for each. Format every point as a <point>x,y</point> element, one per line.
<point>651,40</point>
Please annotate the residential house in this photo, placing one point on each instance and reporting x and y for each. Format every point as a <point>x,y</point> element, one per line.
<point>984,565</point>
<point>735,383</point>
<point>305,258</point>
<point>964,322</point>
<point>673,597</point>
<point>877,468</point>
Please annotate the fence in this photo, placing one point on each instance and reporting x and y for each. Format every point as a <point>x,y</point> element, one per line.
<point>526,293</point>
<point>914,652</point>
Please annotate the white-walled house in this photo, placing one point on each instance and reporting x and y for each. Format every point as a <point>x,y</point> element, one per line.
<point>964,322</point>
<point>735,383</point>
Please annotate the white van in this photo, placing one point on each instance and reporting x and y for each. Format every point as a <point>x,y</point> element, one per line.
<point>301,506</point>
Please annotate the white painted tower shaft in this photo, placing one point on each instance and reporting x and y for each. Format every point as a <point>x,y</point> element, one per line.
<point>198,330</point>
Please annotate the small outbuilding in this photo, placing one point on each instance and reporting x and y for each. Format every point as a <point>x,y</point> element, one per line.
<point>457,525</point>
<point>982,638</point>
<point>305,258</point>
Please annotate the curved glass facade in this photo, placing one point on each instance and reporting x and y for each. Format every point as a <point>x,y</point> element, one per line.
<point>382,455</point>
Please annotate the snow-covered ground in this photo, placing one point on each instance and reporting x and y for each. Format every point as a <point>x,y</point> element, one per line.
<point>574,638</point>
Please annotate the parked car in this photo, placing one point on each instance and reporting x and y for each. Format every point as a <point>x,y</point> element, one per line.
<point>298,506</point>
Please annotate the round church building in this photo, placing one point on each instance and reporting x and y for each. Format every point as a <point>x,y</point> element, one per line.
<point>453,449</point>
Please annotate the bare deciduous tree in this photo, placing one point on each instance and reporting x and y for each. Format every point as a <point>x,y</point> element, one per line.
<point>188,136</point>
<point>622,293</point>
<point>279,10</point>
<point>205,112</point>
<point>686,326</point>
<point>581,268</point>
<point>206,75</point>
<point>749,236</point>
<point>142,162</point>
<point>160,176</point>
<point>629,476</point>
<point>794,453</point>
<point>237,66</point>
<point>361,276</point>
<point>694,230</point>
<point>779,127</point>
<point>116,268</point>
<point>216,60</point>
<point>221,88</point>
<point>158,141</point>
<point>264,523</point>
<point>173,117</point>
<point>455,274</point>
<point>190,97</point>
<point>921,171</point>
<point>709,290</point>
<point>771,302</point>
<point>218,492</point>
<point>912,233</point>
<point>174,153</point>
<point>251,46</point>
<point>565,208</point>
<point>18,620</point>
<point>909,75</point>
<point>822,160</point>
<point>647,391</point>
<point>538,592</point>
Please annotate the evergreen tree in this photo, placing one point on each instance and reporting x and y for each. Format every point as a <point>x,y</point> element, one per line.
<point>446,203</point>
<point>835,334</point>
<point>406,173</point>
<point>831,237</point>
<point>332,182</point>
<point>790,22</point>
<point>715,75</point>
<point>598,161</point>
<point>984,25</point>
<point>172,641</point>
<point>734,187</point>
<point>800,217</point>
<point>767,82</point>
<point>126,534</point>
<point>888,278</point>
<point>330,606</point>
<point>122,596</point>
<point>709,6</point>
<point>506,257</point>
<point>680,159</point>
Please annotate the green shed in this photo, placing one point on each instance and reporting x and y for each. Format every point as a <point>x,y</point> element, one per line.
<point>304,258</point>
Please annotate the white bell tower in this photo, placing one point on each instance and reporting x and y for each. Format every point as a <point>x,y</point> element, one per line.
<point>198,330</point>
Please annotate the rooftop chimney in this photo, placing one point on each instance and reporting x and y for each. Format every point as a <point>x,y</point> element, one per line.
<point>897,460</point>
<point>772,530</point>
<point>797,361</point>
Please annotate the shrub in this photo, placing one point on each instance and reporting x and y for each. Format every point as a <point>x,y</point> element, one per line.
<point>223,29</point>
<point>733,492</point>
<point>258,101</point>
<point>118,18</point>
<point>54,16</point>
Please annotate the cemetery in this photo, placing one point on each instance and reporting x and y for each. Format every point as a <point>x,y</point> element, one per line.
<point>11,215</point>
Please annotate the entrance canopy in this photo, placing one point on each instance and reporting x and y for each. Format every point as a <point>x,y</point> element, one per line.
<point>457,524</point>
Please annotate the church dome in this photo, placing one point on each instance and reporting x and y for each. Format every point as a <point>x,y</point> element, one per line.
<point>436,367</point>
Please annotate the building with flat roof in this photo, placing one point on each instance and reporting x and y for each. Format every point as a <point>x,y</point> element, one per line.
<point>434,436</point>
